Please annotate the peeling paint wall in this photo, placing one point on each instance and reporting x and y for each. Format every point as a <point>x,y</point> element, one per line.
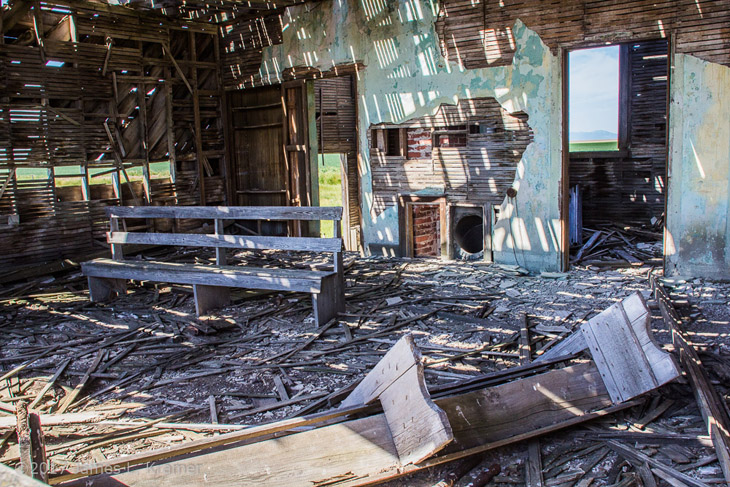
<point>405,77</point>
<point>697,238</point>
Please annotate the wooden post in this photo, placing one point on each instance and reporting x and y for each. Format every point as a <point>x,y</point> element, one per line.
<point>487,214</point>
<point>196,117</point>
<point>170,127</point>
<point>220,253</point>
<point>143,135</point>
<point>210,297</point>
<point>117,253</point>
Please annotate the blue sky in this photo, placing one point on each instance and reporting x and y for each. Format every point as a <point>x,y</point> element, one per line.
<point>594,89</point>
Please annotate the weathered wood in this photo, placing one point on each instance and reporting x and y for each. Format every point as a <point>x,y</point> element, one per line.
<point>229,212</point>
<point>361,451</point>
<point>31,445</point>
<point>329,301</point>
<point>711,404</point>
<point>418,427</point>
<point>636,456</point>
<point>229,276</point>
<point>630,361</point>
<point>103,289</point>
<point>210,297</point>
<point>227,241</point>
<point>248,433</point>
<point>570,345</point>
<point>71,397</point>
<point>220,253</point>
<point>533,462</point>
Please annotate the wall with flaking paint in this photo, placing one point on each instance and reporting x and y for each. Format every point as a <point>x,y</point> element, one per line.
<point>697,236</point>
<point>405,77</point>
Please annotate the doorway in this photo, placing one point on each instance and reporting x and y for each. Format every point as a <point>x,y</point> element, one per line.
<point>615,149</point>
<point>331,190</point>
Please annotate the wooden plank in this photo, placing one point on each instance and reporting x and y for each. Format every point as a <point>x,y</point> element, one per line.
<point>71,397</point>
<point>248,433</point>
<point>361,451</point>
<point>631,363</point>
<point>399,359</point>
<point>210,297</point>
<point>570,345</point>
<point>220,253</point>
<point>102,289</point>
<point>329,301</point>
<point>418,427</point>
<point>711,404</point>
<point>227,241</point>
<point>227,276</point>
<point>229,212</point>
<point>533,462</point>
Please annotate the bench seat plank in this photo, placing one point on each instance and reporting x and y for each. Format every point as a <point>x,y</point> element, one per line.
<point>228,241</point>
<point>311,213</point>
<point>227,276</point>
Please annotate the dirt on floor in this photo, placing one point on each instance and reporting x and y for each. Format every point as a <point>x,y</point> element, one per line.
<point>146,357</point>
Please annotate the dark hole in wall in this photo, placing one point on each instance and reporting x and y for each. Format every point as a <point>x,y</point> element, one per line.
<point>393,142</point>
<point>469,234</point>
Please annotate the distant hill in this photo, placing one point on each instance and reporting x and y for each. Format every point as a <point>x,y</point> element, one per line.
<point>595,135</point>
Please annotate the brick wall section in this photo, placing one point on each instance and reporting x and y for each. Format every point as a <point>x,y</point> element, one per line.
<point>426,231</point>
<point>419,143</point>
<point>452,140</point>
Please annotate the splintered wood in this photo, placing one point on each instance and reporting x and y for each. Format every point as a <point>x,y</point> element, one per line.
<point>148,397</point>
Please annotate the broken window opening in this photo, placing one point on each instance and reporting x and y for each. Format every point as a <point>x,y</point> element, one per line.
<point>594,81</point>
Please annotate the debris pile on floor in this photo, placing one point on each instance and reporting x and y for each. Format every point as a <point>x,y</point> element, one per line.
<point>611,246</point>
<point>145,373</point>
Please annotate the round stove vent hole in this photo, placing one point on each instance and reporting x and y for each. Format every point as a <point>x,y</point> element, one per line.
<point>469,234</point>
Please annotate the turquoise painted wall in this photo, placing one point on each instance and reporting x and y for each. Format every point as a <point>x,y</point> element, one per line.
<point>697,238</point>
<point>405,77</point>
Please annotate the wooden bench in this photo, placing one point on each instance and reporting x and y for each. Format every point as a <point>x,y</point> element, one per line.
<point>211,283</point>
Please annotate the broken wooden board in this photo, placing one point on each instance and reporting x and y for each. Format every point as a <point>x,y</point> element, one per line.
<point>362,451</point>
<point>623,348</point>
<point>419,428</point>
<point>621,344</point>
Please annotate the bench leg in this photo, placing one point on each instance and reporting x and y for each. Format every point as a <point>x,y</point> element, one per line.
<point>103,289</point>
<point>210,297</point>
<point>329,301</point>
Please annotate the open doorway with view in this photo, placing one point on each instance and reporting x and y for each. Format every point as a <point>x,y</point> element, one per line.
<point>336,115</point>
<point>331,192</point>
<point>616,128</point>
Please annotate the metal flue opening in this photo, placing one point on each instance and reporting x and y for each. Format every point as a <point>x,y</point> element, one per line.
<point>469,234</point>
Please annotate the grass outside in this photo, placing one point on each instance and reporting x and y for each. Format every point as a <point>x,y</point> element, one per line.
<point>330,187</point>
<point>594,146</point>
<point>157,170</point>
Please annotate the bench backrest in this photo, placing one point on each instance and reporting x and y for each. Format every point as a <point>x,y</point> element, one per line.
<point>219,240</point>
